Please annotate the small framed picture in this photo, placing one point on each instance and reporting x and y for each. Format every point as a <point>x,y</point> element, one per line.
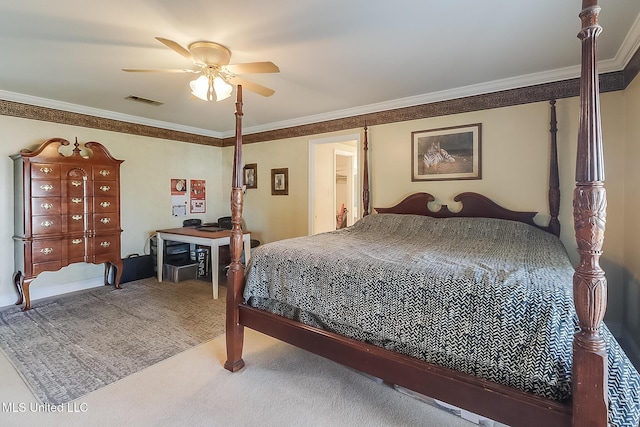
<point>250,172</point>
<point>447,153</point>
<point>280,182</point>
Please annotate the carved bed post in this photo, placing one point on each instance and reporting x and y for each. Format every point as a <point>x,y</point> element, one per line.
<point>554,178</point>
<point>235,277</point>
<point>365,175</point>
<point>589,376</point>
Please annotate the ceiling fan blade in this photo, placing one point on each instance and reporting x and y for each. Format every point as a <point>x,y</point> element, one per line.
<point>254,87</point>
<point>253,67</point>
<point>159,70</point>
<point>176,47</point>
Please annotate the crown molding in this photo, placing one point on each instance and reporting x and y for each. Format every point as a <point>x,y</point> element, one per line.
<point>629,47</point>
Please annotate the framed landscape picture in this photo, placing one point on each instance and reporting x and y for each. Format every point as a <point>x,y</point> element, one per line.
<point>280,182</point>
<point>447,153</point>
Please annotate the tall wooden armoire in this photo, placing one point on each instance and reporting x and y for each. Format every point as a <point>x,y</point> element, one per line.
<point>67,210</point>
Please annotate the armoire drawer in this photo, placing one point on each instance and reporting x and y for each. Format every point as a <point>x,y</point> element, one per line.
<point>105,204</point>
<point>77,205</point>
<point>45,188</point>
<point>46,225</point>
<point>45,171</point>
<point>45,206</point>
<point>76,249</point>
<point>76,187</point>
<point>104,173</point>
<point>46,251</point>
<point>105,221</point>
<point>74,223</point>
<point>105,188</point>
<point>106,249</point>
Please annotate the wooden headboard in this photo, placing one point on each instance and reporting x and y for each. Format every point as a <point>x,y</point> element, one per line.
<point>473,205</point>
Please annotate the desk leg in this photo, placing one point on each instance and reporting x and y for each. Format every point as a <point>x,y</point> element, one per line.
<point>160,256</point>
<point>215,259</point>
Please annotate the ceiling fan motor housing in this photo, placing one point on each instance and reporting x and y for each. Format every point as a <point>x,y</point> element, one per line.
<point>210,53</point>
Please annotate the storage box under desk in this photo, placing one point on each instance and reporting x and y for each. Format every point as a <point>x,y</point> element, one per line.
<point>177,272</point>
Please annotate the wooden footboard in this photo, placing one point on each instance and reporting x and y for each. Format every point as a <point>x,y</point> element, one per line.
<point>498,402</point>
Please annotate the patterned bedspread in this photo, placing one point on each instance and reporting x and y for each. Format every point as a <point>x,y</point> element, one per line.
<point>488,297</point>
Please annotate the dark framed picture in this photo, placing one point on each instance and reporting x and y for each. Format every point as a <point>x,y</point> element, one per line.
<point>447,153</point>
<point>280,182</point>
<point>250,173</point>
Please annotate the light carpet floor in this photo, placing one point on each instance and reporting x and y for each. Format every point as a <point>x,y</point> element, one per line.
<point>279,386</point>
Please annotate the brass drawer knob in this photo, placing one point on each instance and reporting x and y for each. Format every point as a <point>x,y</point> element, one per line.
<point>46,187</point>
<point>46,223</point>
<point>105,220</point>
<point>46,251</point>
<point>105,188</point>
<point>104,172</point>
<point>76,200</point>
<point>46,170</point>
<point>76,217</point>
<point>76,241</point>
<point>105,244</point>
<point>46,206</point>
<point>105,204</point>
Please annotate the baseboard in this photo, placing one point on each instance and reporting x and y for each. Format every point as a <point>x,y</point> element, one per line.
<point>54,290</point>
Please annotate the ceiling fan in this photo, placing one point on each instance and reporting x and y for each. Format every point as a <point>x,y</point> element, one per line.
<point>216,74</point>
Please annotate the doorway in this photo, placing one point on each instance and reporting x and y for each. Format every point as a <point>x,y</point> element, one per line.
<point>333,182</point>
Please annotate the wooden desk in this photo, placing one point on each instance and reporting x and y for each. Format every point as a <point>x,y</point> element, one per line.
<point>214,239</point>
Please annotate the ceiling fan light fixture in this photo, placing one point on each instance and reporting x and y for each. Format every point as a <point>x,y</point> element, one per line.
<point>209,88</point>
<point>200,88</point>
<point>222,88</point>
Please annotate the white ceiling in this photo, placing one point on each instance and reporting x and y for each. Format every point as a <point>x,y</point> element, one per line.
<point>337,58</point>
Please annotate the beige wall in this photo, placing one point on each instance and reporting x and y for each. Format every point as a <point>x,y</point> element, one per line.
<point>631,208</point>
<point>148,166</point>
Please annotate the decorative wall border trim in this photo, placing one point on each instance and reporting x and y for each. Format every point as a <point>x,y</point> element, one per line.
<point>544,92</point>
<point>26,111</point>
<point>609,82</point>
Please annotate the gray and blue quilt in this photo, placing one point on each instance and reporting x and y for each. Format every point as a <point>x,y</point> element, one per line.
<point>487,297</point>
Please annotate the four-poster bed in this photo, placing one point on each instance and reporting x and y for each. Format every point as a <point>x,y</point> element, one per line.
<point>588,386</point>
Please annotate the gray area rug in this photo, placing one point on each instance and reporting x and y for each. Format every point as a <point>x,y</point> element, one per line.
<point>70,345</point>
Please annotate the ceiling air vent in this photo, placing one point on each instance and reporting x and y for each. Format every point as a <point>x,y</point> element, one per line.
<point>143,100</point>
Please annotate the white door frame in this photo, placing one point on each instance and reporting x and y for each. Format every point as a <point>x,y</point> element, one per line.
<point>350,181</point>
<point>313,143</point>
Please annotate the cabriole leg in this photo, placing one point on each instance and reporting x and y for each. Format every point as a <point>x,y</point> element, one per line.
<point>17,282</point>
